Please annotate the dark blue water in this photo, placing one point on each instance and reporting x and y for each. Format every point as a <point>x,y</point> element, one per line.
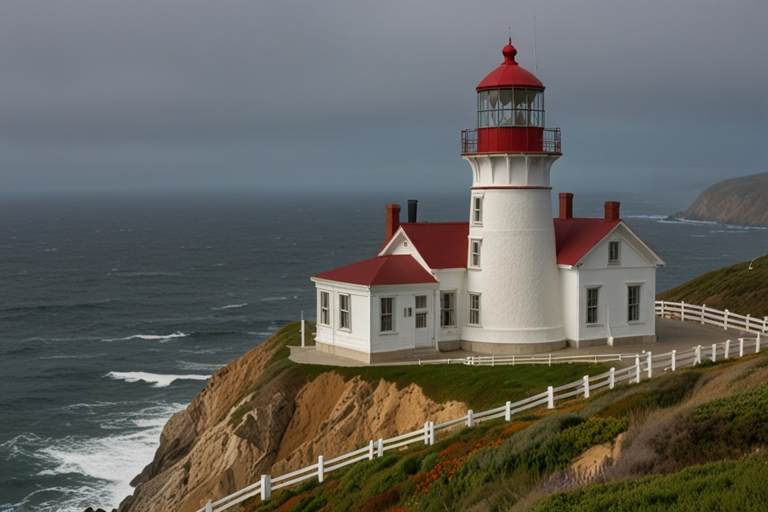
<point>115,310</point>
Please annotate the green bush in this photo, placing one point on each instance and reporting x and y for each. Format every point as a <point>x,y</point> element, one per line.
<point>737,486</point>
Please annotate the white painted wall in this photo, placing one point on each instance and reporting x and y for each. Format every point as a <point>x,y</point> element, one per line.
<point>358,337</point>
<point>403,336</point>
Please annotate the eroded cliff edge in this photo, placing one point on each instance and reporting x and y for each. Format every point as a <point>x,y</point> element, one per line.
<point>263,414</point>
<point>738,201</point>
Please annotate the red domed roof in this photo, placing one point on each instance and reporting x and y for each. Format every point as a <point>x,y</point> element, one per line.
<point>510,74</point>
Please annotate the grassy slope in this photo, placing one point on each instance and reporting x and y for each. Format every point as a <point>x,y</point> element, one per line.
<point>497,464</point>
<point>734,288</point>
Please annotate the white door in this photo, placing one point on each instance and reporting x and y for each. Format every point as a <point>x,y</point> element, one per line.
<point>421,317</point>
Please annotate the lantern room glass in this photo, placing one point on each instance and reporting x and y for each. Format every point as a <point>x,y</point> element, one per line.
<point>510,107</point>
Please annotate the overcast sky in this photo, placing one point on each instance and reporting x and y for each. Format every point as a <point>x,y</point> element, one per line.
<point>371,96</point>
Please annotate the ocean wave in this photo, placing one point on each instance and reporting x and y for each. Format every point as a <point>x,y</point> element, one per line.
<point>156,379</point>
<point>104,464</point>
<point>71,356</point>
<point>268,299</point>
<point>192,366</point>
<point>652,217</point>
<point>267,334</point>
<point>205,350</point>
<point>231,306</point>
<point>680,220</point>
<point>152,337</point>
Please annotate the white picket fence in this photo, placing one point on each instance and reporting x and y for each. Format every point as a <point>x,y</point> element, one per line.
<point>643,366</point>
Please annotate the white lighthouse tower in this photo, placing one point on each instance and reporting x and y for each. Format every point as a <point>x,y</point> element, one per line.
<point>512,283</point>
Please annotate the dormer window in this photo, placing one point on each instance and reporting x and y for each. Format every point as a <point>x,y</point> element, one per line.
<point>613,252</point>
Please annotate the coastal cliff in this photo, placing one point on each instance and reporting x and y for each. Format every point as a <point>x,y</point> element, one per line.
<point>263,414</point>
<point>738,201</point>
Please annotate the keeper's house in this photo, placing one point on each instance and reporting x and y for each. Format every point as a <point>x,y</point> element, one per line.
<point>512,280</point>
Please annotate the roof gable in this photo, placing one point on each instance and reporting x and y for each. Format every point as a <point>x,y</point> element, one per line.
<point>382,270</point>
<point>439,244</point>
<point>576,237</point>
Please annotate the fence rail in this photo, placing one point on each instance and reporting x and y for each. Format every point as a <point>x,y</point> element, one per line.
<point>643,366</point>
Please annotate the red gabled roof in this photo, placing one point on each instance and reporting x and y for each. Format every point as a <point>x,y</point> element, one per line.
<point>392,269</point>
<point>574,238</point>
<point>441,244</point>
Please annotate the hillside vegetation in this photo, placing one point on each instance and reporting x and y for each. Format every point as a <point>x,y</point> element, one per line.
<point>735,288</point>
<point>692,440</point>
<point>740,201</point>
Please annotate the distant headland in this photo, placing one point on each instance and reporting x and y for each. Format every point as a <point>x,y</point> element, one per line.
<point>738,201</point>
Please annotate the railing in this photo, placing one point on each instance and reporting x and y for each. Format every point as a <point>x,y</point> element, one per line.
<point>550,141</point>
<point>644,366</point>
<point>469,141</point>
<point>709,316</point>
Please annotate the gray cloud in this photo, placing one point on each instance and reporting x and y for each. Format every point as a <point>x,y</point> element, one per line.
<point>368,95</point>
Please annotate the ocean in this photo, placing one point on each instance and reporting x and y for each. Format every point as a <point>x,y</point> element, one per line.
<point>115,310</point>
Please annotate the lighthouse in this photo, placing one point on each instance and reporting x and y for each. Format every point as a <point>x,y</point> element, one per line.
<point>512,272</point>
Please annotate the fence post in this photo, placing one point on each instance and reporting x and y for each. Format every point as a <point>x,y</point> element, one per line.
<point>302,329</point>
<point>550,359</point>
<point>426,433</point>
<point>747,324</point>
<point>612,379</point>
<point>370,450</point>
<point>714,352</point>
<point>209,506</point>
<point>682,311</point>
<point>513,359</point>
<point>698,356</point>
<point>765,323</point>
<point>727,349</point>
<point>551,397</point>
<point>674,360</point>
<point>586,386</point>
<point>703,310</point>
<point>470,418</point>
<point>266,487</point>
<point>662,309</point>
<point>320,469</point>
<point>741,347</point>
<point>493,360</point>
<point>725,323</point>
<point>637,369</point>
<point>380,448</point>
<point>508,412</point>
<point>431,432</point>
<point>757,344</point>
<point>650,365</point>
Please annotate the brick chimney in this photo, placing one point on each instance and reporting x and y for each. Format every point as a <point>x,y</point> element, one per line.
<point>393,220</point>
<point>612,211</point>
<point>566,205</point>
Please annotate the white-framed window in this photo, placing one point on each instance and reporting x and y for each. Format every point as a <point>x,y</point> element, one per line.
<point>633,303</point>
<point>421,320</point>
<point>421,302</point>
<point>447,309</point>
<point>387,322</point>
<point>474,308</point>
<point>344,310</point>
<point>325,308</point>
<point>474,253</point>
<point>592,297</point>
<point>613,251</point>
<point>477,210</point>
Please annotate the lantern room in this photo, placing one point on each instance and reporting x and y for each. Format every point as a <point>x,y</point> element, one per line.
<point>510,113</point>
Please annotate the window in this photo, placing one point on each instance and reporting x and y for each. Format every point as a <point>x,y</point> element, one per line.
<point>447,309</point>
<point>613,252</point>
<point>477,210</point>
<point>592,305</point>
<point>421,320</point>
<point>421,302</point>
<point>474,308</point>
<point>325,308</point>
<point>387,306</point>
<point>510,107</point>
<point>474,253</point>
<point>633,303</point>
<point>344,311</point>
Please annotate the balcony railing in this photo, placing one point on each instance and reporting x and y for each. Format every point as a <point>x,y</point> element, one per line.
<point>550,141</point>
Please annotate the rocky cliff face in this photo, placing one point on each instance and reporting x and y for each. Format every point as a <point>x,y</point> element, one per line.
<point>739,201</point>
<point>254,418</point>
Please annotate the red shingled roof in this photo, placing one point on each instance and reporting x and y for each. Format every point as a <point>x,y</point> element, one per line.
<point>574,238</point>
<point>393,269</point>
<point>441,244</point>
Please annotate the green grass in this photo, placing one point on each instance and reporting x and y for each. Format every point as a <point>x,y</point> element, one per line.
<point>735,288</point>
<point>738,486</point>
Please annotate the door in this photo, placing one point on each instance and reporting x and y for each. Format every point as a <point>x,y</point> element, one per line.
<point>421,317</point>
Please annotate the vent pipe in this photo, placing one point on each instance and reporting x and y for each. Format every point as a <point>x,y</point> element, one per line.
<point>412,206</point>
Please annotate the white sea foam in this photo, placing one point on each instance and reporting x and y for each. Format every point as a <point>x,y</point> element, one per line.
<point>205,350</point>
<point>231,306</point>
<point>268,299</point>
<point>265,334</point>
<point>156,379</point>
<point>152,337</point>
<point>107,463</point>
<point>71,356</point>
<point>652,217</point>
